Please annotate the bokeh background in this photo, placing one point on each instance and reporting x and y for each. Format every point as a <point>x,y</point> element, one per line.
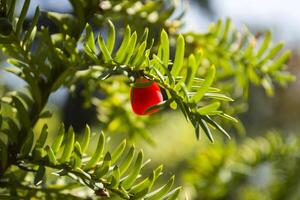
<point>172,135</point>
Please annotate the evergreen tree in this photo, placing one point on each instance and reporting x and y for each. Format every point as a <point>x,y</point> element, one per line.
<point>108,47</point>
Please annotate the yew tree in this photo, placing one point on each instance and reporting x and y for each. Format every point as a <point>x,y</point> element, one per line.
<point>136,55</point>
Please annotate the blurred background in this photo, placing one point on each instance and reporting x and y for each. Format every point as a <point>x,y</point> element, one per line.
<point>249,166</point>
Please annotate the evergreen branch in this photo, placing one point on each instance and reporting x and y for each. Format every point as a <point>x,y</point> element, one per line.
<point>243,57</point>
<point>97,172</point>
<point>58,60</point>
<point>153,14</point>
<point>135,56</point>
<point>130,52</point>
<point>134,64</point>
<point>240,161</point>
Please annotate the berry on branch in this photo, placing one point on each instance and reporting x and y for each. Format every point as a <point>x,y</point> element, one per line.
<point>145,96</point>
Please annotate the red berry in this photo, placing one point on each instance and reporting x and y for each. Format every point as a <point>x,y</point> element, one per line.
<point>142,98</point>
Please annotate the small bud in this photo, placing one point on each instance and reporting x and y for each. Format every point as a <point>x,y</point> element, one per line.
<point>102,192</point>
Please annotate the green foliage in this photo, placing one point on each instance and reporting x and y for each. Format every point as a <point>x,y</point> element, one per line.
<point>140,14</point>
<point>45,68</point>
<point>156,68</point>
<point>264,167</point>
<point>241,59</point>
<point>195,80</point>
<point>116,172</point>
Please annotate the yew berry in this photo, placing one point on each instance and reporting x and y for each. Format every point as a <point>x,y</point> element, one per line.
<point>144,97</point>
